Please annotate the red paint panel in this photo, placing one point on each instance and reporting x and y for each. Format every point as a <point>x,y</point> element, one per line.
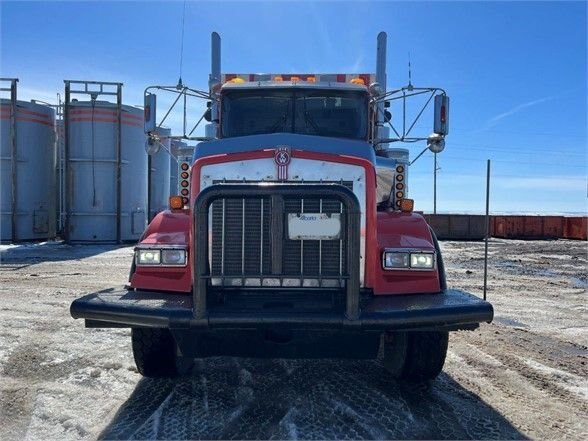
<point>533,226</point>
<point>576,228</point>
<point>403,230</point>
<point>104,120</point>
<point>26,119</point>
<point>19,112</point>
<point>166,228</point>
<point>553,226</point>
<point>106,112</point>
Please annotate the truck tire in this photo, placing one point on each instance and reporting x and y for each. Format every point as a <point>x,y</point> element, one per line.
<point>155,353</point>
<point>417,355</point>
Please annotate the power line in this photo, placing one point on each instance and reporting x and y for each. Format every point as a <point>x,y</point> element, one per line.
<point>511,150</point>
<point>553,164</point>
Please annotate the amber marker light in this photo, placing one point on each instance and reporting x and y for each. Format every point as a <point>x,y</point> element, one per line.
<point>358,81</point>
<point>400,186</point>
<point>406,205</point>
<point>399,178</point>
<point>184,166</point>
<point>185,175</point>
<point>399,194</point>
<point>176,202</point>
<point>400,169</point>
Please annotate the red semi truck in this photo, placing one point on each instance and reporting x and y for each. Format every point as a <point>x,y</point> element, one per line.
<point>292,236</point>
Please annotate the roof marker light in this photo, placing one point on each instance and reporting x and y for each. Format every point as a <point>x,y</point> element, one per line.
<point>357,81</point>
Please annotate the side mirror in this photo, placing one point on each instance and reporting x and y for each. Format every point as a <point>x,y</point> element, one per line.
<point>441,123</point>
<point>150,106</point>
<point>387,116</point>
<point>152,144</point>
<point>208,115</point>
<point>436,143</point>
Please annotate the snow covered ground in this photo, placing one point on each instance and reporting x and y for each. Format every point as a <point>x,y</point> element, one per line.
<point>525,375</point>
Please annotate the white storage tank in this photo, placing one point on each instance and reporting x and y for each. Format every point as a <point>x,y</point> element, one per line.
<point>32,180</point>
<point>91,173</point>
<point>159,185</point>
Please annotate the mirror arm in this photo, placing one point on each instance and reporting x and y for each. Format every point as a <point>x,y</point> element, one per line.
<point>419,155</point>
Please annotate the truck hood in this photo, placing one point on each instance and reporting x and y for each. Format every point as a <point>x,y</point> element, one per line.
<point>319,144</point>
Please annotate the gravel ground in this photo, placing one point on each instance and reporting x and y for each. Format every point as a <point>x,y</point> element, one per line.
<point>523,376</point>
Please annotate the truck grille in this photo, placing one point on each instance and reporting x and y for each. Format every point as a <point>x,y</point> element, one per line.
<point>249,247</point>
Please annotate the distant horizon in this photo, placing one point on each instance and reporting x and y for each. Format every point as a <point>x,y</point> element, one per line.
<point>509,213</point>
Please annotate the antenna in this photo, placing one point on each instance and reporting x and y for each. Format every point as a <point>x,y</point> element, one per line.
<point>410,86</point>
<point>180,85</point>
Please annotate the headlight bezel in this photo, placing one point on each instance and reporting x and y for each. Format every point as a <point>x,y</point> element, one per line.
<point>160,249</point>
<point>409,253</point>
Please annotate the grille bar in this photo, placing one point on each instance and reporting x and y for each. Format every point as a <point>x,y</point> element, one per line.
<point>249,239</point>
<point>351,232</point>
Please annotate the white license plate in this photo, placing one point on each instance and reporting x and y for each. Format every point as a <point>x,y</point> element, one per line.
<point>314,226</point>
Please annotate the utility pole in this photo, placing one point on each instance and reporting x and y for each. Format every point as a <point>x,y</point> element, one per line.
<point>435,184</point>
<point>487,227</point>
<point>436,168</point>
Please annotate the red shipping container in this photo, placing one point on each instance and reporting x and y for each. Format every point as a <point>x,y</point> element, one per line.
<point>576,228</point>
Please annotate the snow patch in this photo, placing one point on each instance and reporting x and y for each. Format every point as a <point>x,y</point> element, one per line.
<point>570,382</point>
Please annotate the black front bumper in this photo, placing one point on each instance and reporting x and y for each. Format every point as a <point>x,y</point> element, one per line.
<point>449,310</point>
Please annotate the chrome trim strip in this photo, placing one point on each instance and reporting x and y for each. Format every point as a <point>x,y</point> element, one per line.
<point>261,245</point>
<point>223,241</point>
<point>243,238</point>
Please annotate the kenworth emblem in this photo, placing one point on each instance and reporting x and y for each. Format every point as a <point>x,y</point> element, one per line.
<point>282,159</point>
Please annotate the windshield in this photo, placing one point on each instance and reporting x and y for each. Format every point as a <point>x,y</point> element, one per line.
<point>335,113</point>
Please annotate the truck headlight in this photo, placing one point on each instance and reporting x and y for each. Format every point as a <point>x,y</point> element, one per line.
<point>396,260</point>
<point>408,260</point>
<point>173,257</point>
<point>422,260</point>
<point>161,256</point>
<point>148,257</point>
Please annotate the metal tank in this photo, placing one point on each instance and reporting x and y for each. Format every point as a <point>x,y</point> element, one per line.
<point>159,176</point>
<point>179,151</point>
<point>27,184</point>
<point>92,160</point>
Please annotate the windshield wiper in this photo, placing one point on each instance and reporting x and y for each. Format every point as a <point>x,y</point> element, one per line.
<point>281,122</point>
<point>309,119</point>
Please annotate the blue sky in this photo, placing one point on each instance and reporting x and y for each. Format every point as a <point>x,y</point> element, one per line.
<point>515,71</point>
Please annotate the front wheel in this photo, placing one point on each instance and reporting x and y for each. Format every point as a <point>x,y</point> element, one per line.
<point>416,355</point>
<point>156,355</point>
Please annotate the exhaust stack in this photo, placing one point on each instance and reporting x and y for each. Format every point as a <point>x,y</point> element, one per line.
<point>382,132</point>
<point>215,77</point>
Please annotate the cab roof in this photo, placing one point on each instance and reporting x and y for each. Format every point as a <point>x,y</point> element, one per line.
<point>293,85</point>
